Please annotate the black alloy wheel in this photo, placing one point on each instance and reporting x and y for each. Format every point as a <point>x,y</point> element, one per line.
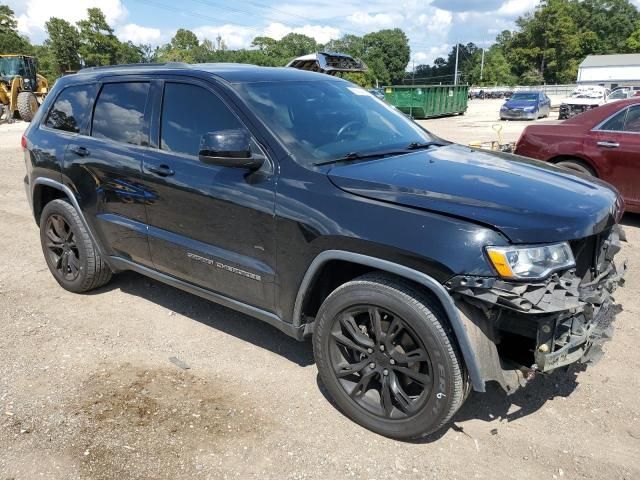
<point>62,248</point>
<point>380,362</point>
<point>72,257</point>
<point>387,357</point>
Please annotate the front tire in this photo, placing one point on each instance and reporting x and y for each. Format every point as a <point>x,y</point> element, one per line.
<point>577,166</point>
<point>386,355</point>
<point>71,256</point>
<point>27,105</point>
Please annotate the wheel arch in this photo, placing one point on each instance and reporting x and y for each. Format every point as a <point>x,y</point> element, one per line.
<point>360,264</point>
<point>576,158</point>
<point>42,195</point>
<point>44,190</point>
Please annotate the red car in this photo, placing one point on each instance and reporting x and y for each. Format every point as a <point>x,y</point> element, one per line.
<point>603,142</point>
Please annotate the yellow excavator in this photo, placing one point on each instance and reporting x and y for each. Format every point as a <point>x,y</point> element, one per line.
<point>22,89</point>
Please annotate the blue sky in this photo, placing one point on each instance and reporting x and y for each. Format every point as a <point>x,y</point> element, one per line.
<point>433,26</point>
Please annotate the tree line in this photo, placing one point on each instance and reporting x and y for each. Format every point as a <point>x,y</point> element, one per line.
<point>546,46</point>
<point>92,42</point>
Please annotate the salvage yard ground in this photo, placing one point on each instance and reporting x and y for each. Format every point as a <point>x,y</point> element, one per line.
<point>87,390</point>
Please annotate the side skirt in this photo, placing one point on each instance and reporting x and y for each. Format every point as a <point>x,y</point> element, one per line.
<point>296,332</point>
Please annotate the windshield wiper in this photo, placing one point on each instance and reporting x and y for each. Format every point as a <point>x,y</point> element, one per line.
<point>418,145</point>
<point>360,156</point>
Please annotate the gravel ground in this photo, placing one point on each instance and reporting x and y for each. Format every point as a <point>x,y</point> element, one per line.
<point>478,123</point>
<point>87,390</point>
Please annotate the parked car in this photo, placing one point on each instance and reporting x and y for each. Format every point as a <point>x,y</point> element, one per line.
<point>526,106</point>
<point>422,269</point>
<point>583,98</point>
<point>622,93</point>
<point>604,143</point>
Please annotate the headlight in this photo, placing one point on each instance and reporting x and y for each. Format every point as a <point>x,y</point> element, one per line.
<point>530,109</point>
<point>526,263</point>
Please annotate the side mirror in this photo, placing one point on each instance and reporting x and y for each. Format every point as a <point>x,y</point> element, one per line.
<point>228,148</point>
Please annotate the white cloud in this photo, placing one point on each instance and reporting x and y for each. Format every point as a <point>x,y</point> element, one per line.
<point>139,34</point>
<point>376,21</point>
<point>234,36</point>
<point>515,8</point>
<point>33,14</point>
<point>321,33</point>
<point>425,57</point>
<point>240,37</point>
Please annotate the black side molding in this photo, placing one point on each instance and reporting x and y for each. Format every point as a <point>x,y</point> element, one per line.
<point>271,318</point>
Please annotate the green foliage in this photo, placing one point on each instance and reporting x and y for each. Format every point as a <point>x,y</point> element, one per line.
<point>184,40</point>
<point>496,71</point>
<point>129,53</point>
<point>63,45</point>
<point>46,63</point>
<point>386,54</point>
<point>547,46</point>
<point>531,77</point>
<point>559,34</point>
<point>633,42</point>
<point>99,46</point>
<point>10,40</point>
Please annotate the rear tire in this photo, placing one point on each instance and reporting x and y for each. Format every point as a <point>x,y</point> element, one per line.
<point>27,105</point>
<point>404,379</point>
<point>577,166</point>
<point>70,254</point>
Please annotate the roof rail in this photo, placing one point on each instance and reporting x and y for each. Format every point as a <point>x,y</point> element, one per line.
<point>136,65</point>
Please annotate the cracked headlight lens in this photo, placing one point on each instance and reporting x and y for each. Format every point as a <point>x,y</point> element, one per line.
<point>530,262</point>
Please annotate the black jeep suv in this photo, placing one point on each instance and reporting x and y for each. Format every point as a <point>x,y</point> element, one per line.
<point>422,269</point>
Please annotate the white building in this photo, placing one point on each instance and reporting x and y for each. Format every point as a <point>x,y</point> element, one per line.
<point>610,70</point>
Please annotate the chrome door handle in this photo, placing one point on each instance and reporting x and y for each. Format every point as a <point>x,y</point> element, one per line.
<point>608,144</point>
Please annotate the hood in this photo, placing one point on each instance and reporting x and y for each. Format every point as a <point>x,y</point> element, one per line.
<point>520,104</point>
<point>583,101</point>
<point>528,201</point>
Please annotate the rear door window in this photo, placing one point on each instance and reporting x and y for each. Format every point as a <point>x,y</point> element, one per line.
<point>71,108</point>
<point>119,113</point>
<point>188,112</point>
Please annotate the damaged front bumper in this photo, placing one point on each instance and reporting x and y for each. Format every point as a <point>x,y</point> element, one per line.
<point>569,110</point>
<point>541,326</point>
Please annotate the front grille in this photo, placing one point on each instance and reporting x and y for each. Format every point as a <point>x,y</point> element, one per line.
<point>568,111</point>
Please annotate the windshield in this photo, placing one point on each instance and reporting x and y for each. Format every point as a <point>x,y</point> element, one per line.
<point>619,94</point>
<point>325,120</point>
<point>525,97</point>
<point>11,66</point>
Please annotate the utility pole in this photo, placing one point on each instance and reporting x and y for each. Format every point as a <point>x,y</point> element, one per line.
<point>482,65</point>
<point>413,79</point>
<point>455,75</point>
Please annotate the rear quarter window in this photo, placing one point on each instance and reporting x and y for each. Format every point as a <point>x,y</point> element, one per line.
<point>71,108</point>
<point>615,123</point>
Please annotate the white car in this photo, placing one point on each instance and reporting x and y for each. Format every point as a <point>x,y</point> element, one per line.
<point>622,93</point>
<point>583,98</point>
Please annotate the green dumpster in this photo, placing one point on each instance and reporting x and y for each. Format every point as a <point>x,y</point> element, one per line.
<point>426,101</point>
